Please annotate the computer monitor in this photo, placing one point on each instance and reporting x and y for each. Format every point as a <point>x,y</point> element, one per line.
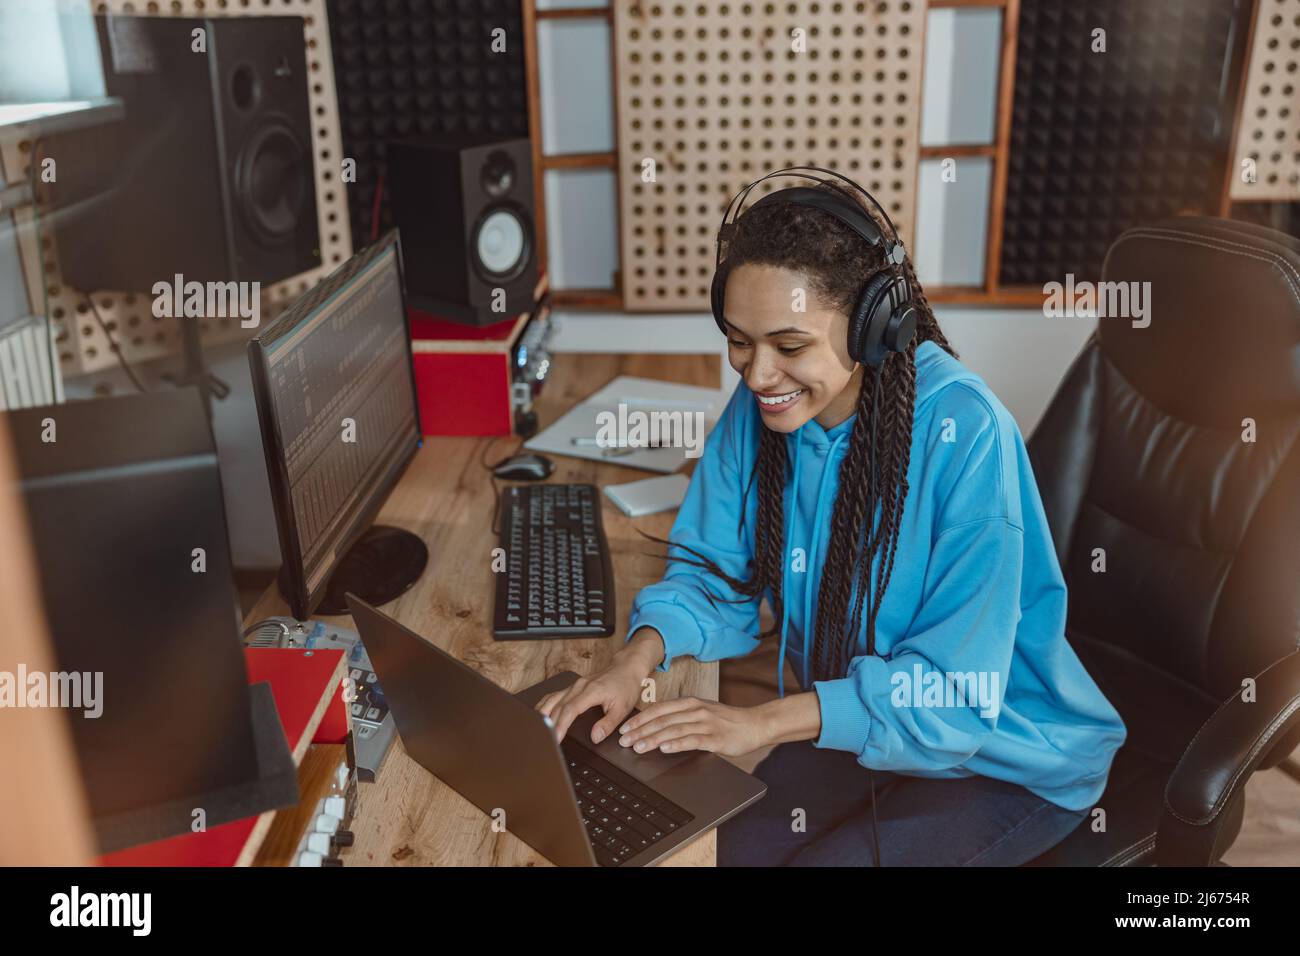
<point>334,383</point>
<point>123,497</point>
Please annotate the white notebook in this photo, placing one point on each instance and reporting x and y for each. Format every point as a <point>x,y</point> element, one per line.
<point>649,495</point>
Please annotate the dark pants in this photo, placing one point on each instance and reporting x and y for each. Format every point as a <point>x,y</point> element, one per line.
<point>971,821</point>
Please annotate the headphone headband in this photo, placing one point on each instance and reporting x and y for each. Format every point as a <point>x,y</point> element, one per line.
<point>894,251</point>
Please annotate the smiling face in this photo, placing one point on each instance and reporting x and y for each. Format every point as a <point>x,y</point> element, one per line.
<point>797,364</point>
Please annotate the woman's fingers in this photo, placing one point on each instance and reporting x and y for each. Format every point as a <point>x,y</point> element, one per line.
<point>549,702</point>
<point>615,711</point>
<point>706,741</point>
<point>646,730</point>
<point>682,735</point>
<point>643,731</point>
<point>654,712</point>
<point>573,706</point>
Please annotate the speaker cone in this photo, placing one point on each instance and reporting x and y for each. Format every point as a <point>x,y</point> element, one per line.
<point>501,244</point>
<point>272,180</point>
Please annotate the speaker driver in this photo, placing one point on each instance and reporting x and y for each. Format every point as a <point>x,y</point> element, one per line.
<point>501,244</point>
<point>272,182</point>
<point>498,176</point>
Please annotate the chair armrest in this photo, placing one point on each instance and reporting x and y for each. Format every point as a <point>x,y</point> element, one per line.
<point>1204,796</point>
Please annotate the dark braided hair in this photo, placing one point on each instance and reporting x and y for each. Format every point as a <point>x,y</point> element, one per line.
<point>837,263</point>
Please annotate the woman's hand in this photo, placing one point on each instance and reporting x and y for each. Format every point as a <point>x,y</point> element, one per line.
<point>689,723</point>
<point>615,689</point>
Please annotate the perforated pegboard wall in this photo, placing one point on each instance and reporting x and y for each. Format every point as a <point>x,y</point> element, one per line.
<point>1269,134</point>
<point>717,94</point>
<point>81,344</point>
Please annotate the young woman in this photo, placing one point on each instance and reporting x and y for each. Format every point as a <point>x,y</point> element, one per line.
<point>943,718</point>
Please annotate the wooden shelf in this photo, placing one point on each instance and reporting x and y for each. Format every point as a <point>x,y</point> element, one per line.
<point>574,13</point>
<point>579,161</point>
<point>30,121</point>
<point>316,776</point>
<point>954,150</point>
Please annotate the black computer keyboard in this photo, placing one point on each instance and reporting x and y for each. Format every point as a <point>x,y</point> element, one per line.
<point>622,816</point>
<point>558,580</point>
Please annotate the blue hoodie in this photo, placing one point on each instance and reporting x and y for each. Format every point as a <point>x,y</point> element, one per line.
<point>972,672</point>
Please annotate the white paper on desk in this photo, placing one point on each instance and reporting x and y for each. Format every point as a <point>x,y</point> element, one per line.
<point>639,395</point>
<point>649,496</point>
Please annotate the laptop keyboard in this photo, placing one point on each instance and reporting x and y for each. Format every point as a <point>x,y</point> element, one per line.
<point>622,816</point>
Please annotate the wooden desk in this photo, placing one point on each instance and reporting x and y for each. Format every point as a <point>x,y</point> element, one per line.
<point>408,817</point>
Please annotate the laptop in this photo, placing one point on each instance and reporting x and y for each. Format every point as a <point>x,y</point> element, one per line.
<point>575,802</point>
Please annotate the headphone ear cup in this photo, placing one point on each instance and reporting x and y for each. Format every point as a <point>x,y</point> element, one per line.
<point>902,328</point>
<point>869,318</point>
<point>716,291</point>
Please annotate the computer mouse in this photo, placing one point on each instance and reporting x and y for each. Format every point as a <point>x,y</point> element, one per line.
<point>524,468</point>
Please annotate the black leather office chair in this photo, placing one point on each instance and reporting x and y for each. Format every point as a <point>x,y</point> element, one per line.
<point>1141,453</point>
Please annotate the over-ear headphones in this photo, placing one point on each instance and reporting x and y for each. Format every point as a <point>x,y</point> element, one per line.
<point>884,318</point>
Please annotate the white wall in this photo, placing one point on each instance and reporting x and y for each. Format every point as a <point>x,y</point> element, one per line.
<point>50,51</point>
<point>1019,353</point>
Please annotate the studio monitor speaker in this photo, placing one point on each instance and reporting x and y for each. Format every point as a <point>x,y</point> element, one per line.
<point>464,206</point>
<point>209,173</point>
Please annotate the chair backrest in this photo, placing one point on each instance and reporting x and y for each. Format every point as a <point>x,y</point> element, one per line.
<point>1171,451</point>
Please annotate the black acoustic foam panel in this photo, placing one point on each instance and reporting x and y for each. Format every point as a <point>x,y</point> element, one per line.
<point>1104,141</point>
<point>421,67</point>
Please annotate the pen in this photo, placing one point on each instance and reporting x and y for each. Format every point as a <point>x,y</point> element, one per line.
<point>599,443</point>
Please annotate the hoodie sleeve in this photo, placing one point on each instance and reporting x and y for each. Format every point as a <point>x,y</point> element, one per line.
<point>934,698</point>
<point>696,612</point>
<point>966,627</point>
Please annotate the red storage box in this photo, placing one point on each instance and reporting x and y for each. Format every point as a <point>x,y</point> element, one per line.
<point>463,374</point>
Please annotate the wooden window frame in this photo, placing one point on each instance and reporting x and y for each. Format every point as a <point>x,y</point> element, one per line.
<point>611,298</point>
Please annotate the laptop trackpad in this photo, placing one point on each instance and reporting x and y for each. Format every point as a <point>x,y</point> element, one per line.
<point>645,767</point>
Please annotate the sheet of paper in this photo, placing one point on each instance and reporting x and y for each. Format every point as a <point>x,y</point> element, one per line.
<point>627,414</point>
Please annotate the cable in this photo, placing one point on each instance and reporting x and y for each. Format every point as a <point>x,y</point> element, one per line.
<point>253,628</point>
<point>114,347</point>
<point>871,777</point>
<point>496,489</point>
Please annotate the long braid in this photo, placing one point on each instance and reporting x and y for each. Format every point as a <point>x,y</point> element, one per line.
<point>853,503</point>
<point>769,547</point>
<point>904,404</point>
<point>766,565</point>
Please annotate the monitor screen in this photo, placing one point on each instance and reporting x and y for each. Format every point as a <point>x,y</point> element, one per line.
<point>337,403</point>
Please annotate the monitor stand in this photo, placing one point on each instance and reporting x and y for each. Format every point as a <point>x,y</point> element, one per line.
<point>379,568</point>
